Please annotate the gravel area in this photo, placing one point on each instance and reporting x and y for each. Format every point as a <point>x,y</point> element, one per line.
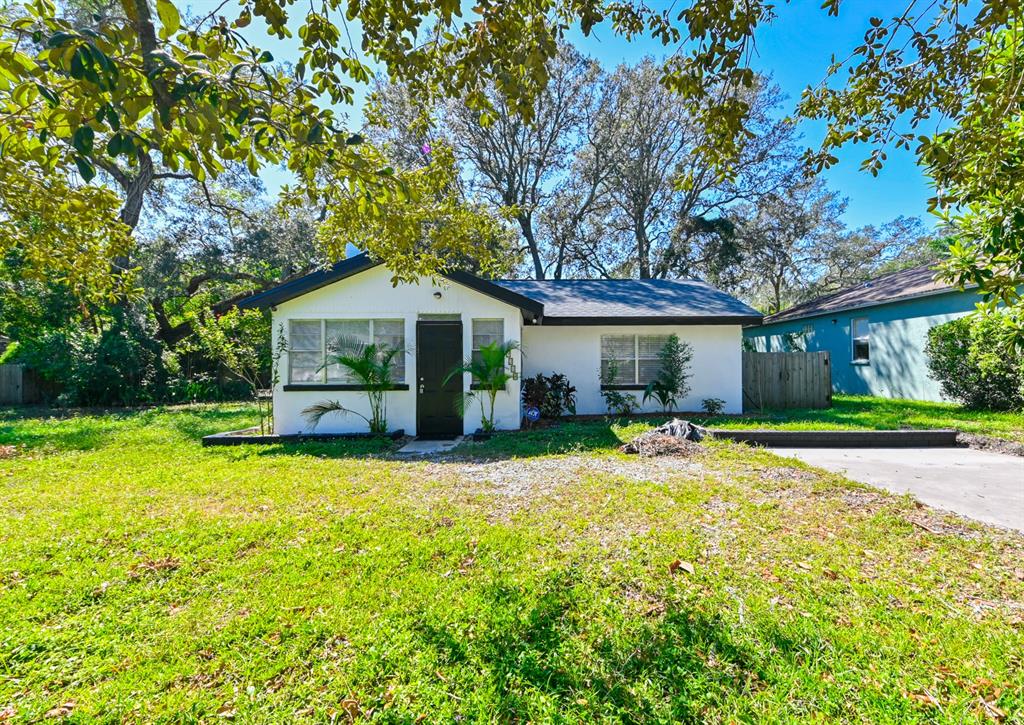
<point>530,476</point>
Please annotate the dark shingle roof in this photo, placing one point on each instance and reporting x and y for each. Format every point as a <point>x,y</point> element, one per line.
<point>633,301</point>
<point>907,283</point>
<point>562,302</point>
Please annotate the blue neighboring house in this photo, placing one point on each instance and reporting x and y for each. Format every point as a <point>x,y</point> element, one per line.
<point>875,331</point>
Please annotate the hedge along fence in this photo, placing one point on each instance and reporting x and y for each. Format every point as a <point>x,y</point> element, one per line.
<point>787,380</point>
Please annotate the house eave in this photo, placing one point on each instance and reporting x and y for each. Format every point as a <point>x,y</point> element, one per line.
<point>778,318</point>
<point>652,320</point>
<point>531,309</point>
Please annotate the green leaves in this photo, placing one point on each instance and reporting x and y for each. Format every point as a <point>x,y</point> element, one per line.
<point>170,19</point>
<point>82,140</point>
<point>85,168</point>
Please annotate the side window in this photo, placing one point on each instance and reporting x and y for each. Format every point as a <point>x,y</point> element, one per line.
<point>487,332</point>
<point>860,333</point>
<point>305,353</point>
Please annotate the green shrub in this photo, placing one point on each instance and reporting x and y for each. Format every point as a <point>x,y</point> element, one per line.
<point>617,402</point>
<point>974,364</point>
<point>119,365</point>
<point>553,395</point>
<point>673,377</point>
<point>713,406</point>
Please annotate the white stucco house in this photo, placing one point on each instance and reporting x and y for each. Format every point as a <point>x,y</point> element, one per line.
<point>572,327</point>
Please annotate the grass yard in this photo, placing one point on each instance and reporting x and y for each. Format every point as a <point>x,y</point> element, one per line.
<point>864,412</point>
<point>540,577</point>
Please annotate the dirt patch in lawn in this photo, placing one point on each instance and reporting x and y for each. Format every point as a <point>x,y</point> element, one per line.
<point>519,477</point>
<point>990,443</point>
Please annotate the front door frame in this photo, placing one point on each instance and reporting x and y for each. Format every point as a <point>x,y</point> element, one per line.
<point>428,398</point>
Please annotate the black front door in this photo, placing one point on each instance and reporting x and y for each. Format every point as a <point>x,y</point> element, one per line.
<point>438,350</point>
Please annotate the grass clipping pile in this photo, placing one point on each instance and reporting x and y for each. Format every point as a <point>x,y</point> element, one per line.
<point>675,438</point>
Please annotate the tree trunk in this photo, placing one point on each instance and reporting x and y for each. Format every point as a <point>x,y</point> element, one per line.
<point>526,224</point>
<point>643,251</point>
<point>135,189</point>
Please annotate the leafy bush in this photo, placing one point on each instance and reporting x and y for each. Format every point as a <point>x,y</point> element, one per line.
<point>974,364</point>
<point>616,401</point>
<point>713,406</point>
<point>553,395</point>
<point>119,365</point>
<point>672,381</point>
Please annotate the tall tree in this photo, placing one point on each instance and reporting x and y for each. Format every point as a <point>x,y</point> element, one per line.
<point>521,165</point>
<point>144,93</point>
<point>782,236</point>
<point>959,64</point>
<point>667,194</point>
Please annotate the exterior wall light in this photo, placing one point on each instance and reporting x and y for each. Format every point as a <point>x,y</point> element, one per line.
<point>437,295</point>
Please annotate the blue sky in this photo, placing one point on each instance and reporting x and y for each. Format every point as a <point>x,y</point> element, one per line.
<point>796,50</point>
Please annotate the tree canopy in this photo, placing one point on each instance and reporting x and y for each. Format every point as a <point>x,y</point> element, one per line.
<point>102,106</point>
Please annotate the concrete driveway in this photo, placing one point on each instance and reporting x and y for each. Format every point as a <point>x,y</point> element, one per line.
<point>981,485</point>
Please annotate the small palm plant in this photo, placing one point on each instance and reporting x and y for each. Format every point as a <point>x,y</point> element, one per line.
<point>672,380</point>
<point>489,379</point>
<point>373,367</point>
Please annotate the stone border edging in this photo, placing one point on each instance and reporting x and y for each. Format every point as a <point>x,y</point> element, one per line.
<point>248,436</point>
<point>944,438</point>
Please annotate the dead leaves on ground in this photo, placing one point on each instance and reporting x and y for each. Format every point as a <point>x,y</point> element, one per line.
<point>61,710</point>
<point>153,566</point>
<point>984,690</point>
<point>680,565</point>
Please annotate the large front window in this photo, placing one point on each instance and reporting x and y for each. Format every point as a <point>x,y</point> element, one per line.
<point>313,345</point>
<point>634,358</point>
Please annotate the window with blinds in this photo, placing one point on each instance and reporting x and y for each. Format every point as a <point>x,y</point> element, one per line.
<point>305,351</point>
<point>312,344</point>
<point>487,332</point>
<point>633,357</point>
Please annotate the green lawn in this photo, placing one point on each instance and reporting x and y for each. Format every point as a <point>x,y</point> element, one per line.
<point>859,411</point>
<point>144,578</point>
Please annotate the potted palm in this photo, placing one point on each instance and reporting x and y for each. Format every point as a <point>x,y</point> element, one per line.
<point>372,366</point>
<point>489,378</point>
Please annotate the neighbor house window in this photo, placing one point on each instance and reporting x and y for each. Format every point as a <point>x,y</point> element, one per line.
<point>487,332</point>
<point>634,357</point>
<point>313,344</point>
<point>860,332</point>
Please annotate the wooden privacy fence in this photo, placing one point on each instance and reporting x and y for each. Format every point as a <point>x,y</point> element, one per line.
<point>787,380</point>
<point>17,385</point>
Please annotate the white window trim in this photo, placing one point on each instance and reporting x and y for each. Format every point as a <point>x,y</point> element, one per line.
<point>323,372</point>
<point>323,345</point>
<point>853,341</point>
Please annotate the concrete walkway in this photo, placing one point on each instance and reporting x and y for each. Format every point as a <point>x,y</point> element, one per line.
<point>420,447</point>
<point>981,485</point>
